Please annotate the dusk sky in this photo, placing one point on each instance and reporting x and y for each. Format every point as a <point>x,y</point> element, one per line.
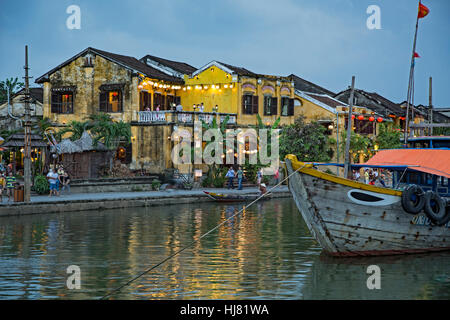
<point>323,41</point>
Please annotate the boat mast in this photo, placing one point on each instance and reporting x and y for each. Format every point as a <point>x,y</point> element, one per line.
<point>410,93</point>
<point>349,131</point>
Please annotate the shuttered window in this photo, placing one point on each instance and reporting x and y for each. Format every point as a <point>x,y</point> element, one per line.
<point>62,102</point>
<point>291,107</point>
<point>285,106</point>
<point>364,126</point>
<point>249,104</point>
<point>270,105</point>
<point>111,101</point>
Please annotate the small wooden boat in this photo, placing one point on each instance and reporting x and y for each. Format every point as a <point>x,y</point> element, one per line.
<point>228,197</point>
<point>350,218</point>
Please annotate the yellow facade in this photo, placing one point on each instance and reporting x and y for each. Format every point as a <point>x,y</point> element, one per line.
<point>216,87</point>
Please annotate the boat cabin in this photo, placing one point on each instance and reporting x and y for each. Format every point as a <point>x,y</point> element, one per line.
<point>433,142</point>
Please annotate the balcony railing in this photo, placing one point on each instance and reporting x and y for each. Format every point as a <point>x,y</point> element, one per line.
<point>184,117</point>
<point>152,116</point>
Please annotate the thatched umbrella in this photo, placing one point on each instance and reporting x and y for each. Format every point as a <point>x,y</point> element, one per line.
<point>67,146</point>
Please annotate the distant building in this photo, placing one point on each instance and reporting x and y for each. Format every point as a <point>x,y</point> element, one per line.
<point>376,103</point>
<point>8,119</point>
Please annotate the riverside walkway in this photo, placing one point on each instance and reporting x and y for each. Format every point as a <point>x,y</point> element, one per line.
<point>110,200</point>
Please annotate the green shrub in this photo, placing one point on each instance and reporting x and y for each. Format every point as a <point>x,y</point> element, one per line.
<point>156,184</point>
<point>218,182</point>
<point>41,185</point>
<point>206,182</point>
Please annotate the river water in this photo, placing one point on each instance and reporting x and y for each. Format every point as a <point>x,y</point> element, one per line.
<point>266,253</point>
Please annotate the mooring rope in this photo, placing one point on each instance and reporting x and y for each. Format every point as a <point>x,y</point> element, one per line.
<point>193,242</point>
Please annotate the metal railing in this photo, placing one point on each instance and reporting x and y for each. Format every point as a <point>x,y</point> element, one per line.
<point>168,116</point>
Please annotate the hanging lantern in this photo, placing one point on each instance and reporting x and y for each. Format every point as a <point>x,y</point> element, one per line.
<point>360,117</point>
<point>353,116</point>
<point>140,87</point>
<point>380,119</point>
<point>371,119</point>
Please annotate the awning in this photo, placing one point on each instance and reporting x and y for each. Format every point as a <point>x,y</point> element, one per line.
<point>433,161</point>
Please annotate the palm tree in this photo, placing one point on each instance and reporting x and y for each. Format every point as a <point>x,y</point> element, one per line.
<point>109,132</point>
<point>76,128</point>
<point>12,84</point>
<point>41,125</point>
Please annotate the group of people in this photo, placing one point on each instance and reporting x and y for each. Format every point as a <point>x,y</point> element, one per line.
<point>231,174</point>
<point>58,178</point>
<point>7,182</point>
<point>201,107</point>
<point>196,107</point>
<point>239,174</point>
<point>371,176</point>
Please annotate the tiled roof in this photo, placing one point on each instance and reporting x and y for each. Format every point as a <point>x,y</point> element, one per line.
<point>126,61</point>
<point>240,71</point>
<point>37,94</point>
<point>373,101</point>
<point>181,67</point>
<point>327,100</point>
<point>306,86</point>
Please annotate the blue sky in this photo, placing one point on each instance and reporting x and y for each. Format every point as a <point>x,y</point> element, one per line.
<point>323,41</point>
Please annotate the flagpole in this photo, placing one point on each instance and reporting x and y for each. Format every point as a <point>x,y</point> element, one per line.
<point>411,76</point>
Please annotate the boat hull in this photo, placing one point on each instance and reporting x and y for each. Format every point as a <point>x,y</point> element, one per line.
<point>345,222</point>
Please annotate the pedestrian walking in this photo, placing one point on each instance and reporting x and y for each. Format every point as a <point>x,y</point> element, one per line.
<point>259,177</point>
<point>240,176</point>
<point>230,175</point>
<point>277,176</point>
<point>2,185</point>
<point>10,183</point>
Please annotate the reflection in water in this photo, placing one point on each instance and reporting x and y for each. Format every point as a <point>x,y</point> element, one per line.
<point>265,253</point>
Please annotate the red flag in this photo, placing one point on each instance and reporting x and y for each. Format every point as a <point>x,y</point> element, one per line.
<point>423,10</point>
<point>416,55</point>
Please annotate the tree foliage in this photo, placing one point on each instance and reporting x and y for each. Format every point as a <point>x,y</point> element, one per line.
<point>75,128</point>
<point>108,131</point>
<point>359,144</point>
<point>13,84</point>
<point>388,137</point>
<point>308,141</point>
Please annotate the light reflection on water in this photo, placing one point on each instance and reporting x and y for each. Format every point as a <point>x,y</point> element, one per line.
<point>267,253</point>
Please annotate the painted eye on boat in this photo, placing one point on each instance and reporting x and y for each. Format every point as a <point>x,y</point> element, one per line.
<point>370,198</point>
<point>364,197</point>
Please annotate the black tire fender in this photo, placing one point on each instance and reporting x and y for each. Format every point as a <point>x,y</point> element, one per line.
<point>435,208</point>
<point>413,199</point>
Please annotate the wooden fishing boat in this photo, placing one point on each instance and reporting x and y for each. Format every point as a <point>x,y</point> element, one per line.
<point>349,218</point>
<point>228,197</point>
